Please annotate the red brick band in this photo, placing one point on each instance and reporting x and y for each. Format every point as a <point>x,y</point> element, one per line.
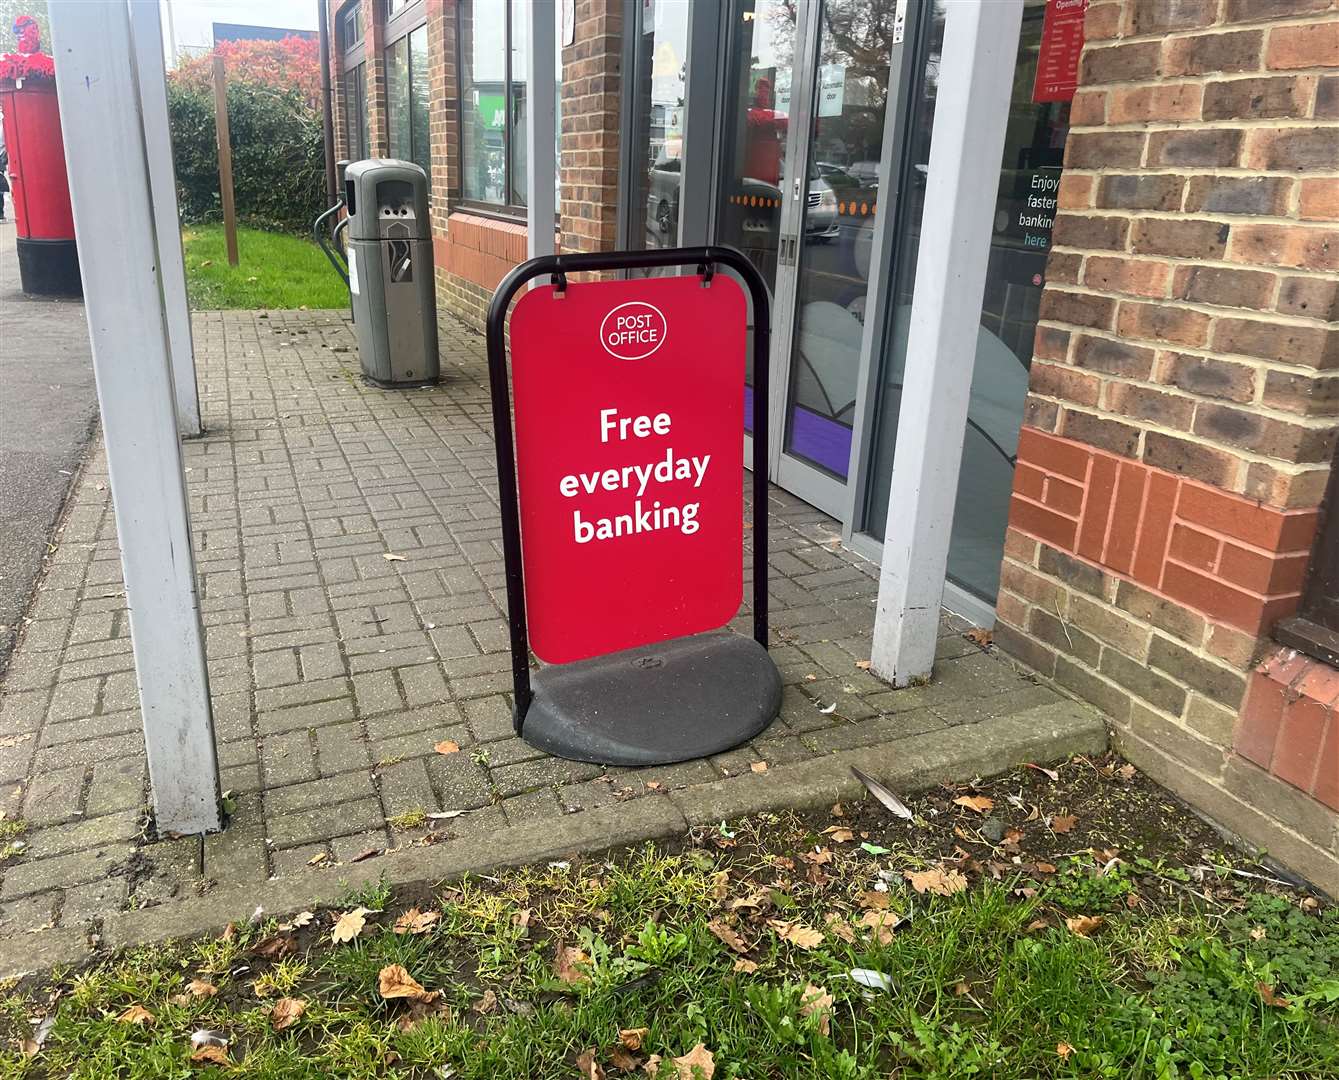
<point>1223,555</point>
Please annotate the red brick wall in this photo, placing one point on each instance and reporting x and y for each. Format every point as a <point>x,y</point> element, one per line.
<point>1184,397</point>
<point>592,81</point>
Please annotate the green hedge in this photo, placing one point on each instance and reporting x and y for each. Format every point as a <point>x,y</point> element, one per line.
<point>278,157</point>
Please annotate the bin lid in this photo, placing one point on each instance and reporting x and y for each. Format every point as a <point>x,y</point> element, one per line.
<point>386,198</point>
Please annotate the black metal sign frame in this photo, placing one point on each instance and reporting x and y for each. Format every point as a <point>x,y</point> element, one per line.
<point>706,259</point>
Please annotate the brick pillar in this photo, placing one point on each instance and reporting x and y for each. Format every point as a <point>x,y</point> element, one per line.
<point>339,107</point>
<point>592,78</point>
<point>1184,394</point>
<point>374,37</point>
<point>443,111</point>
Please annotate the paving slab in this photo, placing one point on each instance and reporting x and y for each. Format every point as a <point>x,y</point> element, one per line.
<point>335,672</point>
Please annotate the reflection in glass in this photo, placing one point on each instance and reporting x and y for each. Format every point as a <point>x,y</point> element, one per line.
<point>657,175</point>
<point>756,121</point>
<point>483,104</point>
<point>1034,147</point>
<point>355,112</point>
<point>519,104</point>
<point>397,99</point>
<point>420,146</point>
<point>846,144</point>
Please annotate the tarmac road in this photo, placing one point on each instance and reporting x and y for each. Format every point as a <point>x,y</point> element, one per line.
<point>48,410</point>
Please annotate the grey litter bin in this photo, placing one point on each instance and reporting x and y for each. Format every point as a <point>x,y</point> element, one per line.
<point>390,272</point>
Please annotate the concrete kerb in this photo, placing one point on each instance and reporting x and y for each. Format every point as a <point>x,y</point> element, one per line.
<point>914,764</point>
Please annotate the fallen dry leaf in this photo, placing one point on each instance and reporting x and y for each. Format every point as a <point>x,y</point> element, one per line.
<point>838,835</point>
<point>298,921</point>
<point>1085,925</point>
<point>415,921</point>
<point>394,981</point>
<point>758,767</point>
<point>447,746</point>
<point>632,1038</point>
<point>274,947</point>
<point>366,853</point>
<point>728,935</point>
<point>1063,823</point>
<point>838,927</point>
<point>698,1064</point>
<point>748,967</point>
<point>863,665</point>
<point>623,1060</point>
<point>349,925</point>
<point>1064,1049</point>
<point>799,935</point>
<point>521,918</point>
<point>1127,772</point>
<point>1049,773</point>
<point>567,964</point>
<point>136,1014</point>
<point>872,898</point>
<point>587,1067</point>
<point>286,1012</point>
<point>211,1054</point>
<point>1269,997</point>
<point>936,880</point>
<point>201,988</point>
<point>982,804</point>
<point>816,1001</point>
<point>486,1004</point>
<point>881,924</point>
<point>980,636</point>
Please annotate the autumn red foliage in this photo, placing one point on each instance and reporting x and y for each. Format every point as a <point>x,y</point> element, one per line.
<point>292,63</point>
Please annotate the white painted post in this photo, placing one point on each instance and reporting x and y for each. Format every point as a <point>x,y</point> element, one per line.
<point>975,84</point>
<point>541,99</point>
<point>118,259</point>
<point>146,29</point>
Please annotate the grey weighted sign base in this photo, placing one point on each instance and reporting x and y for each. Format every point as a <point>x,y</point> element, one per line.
<point>685,698</point>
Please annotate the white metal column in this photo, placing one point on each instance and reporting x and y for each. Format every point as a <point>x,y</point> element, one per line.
<point>975,84</point>
<point>105,155</point>
<point>541,91</point>
<point>146,29</point>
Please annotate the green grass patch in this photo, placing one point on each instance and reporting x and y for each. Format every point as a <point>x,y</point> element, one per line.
<point>275,270</point>
<point>744,944</point>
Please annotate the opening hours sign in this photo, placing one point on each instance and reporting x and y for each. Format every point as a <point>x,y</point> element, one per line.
<point>629,404</point>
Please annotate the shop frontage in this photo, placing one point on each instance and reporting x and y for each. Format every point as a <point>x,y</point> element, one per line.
<point>808,128</point>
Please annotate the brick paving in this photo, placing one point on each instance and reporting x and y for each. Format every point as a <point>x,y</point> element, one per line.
<point>334,671</point>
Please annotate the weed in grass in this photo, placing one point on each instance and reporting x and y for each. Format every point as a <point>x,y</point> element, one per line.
<point>281,980</point>
<point>375,895</point>
<point>11,828</point>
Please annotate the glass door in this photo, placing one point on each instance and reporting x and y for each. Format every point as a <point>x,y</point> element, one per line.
<point>804,108</point>
<point>839,154</point>
<point>761,115</point>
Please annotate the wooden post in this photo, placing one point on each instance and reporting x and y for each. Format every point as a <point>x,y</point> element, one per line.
<point>225,158</point>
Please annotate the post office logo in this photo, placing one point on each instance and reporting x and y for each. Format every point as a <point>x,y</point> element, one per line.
<point>633,331</point>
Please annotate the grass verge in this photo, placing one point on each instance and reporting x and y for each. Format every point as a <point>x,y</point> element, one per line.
<point>275,270</point>
<point>845,944</point>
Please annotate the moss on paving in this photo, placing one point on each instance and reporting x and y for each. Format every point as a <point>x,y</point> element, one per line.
<point>1150,954</point>
<point>275,270</point>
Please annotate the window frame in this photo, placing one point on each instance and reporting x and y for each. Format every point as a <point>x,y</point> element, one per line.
<point>413,16</point>
<point>351,58</point>
<point>505,210</point>
<point>1314,630</point>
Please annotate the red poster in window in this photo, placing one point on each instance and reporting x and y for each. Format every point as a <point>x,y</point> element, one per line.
<point>629,399</point>
<point>1058,57</point>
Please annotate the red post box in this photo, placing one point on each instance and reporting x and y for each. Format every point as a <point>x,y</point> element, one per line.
<point>48,260</point>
